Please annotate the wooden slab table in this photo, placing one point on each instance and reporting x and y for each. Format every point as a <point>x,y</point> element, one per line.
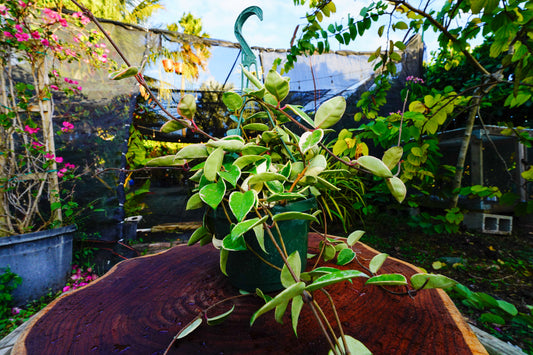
<point>141,304</point>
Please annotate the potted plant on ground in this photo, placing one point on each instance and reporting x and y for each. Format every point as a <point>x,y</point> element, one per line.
<point>33,196</point>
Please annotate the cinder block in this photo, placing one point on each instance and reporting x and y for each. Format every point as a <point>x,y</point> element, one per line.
<point>489,223</point>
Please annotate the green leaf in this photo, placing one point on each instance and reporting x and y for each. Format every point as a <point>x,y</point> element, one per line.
<point>198,234</point>
<point>253,79</point>
<point>229,144</point>
<point>528,174</point>
<point>377,261</point>
<point>330,112</point>
<point>387,280</point>
<point>329,252</point>
<point>345,256</point>
<point>213,163</point>
<point>166,160</point>
<point>334,277</point>
<point>277,85</point>
<point>123,73</point>
<point>301,114</point>
<point>267,176</point>
<point>400,25</point>
<point>375,166</point>
<point>477,5</point>
<point>433,281</point>
<point>397,188</point>
<point>232,100</point>
<point>284,196</point>
<point>244,226</point>
<point>212,194</point>
<point>259,232</point>
<point>296,265</point>
<point>171,126</point>
<point>246,160</point>
<point>194,202</point>
<point>220,318</point>
<point>231,175</point>
<point>242,203</point>
<point>296,307</point>
<point>223,260</point>
<point>492,318</point>
<point>392,157</point>
<point>233,244</point>
<point>354,347</point>
<point>187,106</point>
<point>292,291</point>
<point>354,237</point>
<point>285,216</point>
<point>395,57</point>
<point>260,127</point>
<point>280,311</point>
<point>310,140</point>
<point>193,151</point>
<point>189,328</point>
<point>507,307</point>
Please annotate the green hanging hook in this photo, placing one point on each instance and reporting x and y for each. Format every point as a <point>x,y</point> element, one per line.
<point>248,57</point>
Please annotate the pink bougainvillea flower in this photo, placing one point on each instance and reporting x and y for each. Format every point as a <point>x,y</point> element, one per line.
<point>66,288</point>
<point>19,28</point>
<point>45,42</point>
<point>36,145</point>
<point>22,4</point>
<point>59,159</point>
<point>55,73</point>
<point>3,10</point>
<point>15,310</point>
<point>22,37</point>
<point>67,126</point>
<point>8,34</point>
<point>31,130</point>
<point>70,166</point>
<point>49,156</point>
<point>59,174</point>
<point>54,87</point>
<point>36,35</point>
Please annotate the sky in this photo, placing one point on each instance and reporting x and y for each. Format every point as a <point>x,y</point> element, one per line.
<point>280,18</point>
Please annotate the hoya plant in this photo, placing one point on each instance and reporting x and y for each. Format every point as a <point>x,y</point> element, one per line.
<point>277,155</point>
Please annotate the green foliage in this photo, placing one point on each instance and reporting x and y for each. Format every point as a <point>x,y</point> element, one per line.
<point>436,223</point>
<point>9,281</point>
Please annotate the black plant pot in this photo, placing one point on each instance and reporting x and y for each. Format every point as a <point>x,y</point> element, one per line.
<point>245,270</point>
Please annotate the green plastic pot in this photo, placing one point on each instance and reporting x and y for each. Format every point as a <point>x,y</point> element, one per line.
<point>245,270</point>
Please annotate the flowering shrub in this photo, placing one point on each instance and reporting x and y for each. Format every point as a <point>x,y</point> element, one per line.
<point>31,171</point>
<point>79,278</point>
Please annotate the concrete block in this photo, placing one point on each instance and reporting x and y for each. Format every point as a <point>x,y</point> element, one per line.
<point>489,223</point>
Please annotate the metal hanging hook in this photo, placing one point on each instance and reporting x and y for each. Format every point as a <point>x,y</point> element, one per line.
<point>248,58</point>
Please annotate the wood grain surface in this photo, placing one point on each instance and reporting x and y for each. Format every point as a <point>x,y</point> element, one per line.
<point>138,307</point>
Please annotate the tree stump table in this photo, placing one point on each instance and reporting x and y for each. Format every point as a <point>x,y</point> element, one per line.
<point>141,304</point>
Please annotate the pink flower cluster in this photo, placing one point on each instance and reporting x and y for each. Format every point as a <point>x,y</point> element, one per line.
<point>415,79</point>
<point>79,278</point>
<point>31,130</point>
<point>83,19</point>
<point>67,127</point>
<point>52,17</point>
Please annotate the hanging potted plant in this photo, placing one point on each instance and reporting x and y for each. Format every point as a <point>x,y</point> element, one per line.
<point>168,65</point>
<point>34,202</point>
<point>265,175</point>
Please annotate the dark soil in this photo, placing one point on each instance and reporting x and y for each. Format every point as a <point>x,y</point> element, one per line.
<point>499,265</point>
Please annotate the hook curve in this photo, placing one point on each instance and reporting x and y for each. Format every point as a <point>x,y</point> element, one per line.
<point>248,57</point>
